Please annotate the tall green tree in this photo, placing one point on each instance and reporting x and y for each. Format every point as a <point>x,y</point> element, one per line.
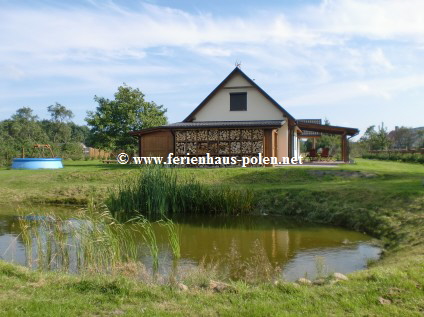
<point>113,119</point>
<point>19,134</point>
<point>59,113</point>
<point>404,138</point>
<point>24,114</point>
<point>376,139</point>
<point>58,129</point>
<point>23,127</point>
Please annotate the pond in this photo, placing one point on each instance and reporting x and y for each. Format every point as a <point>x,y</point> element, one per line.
<point>296,249</point>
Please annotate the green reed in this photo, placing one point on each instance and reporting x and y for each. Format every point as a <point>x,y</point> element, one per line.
<point>149,237</point>
<point>173,237</point>
<point>158,191</point>
<point>85,243</point>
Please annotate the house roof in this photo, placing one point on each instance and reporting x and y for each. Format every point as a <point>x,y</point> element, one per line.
<point>235,71</point>
<point>213,124</point>
<point>307,133</point>
<point>227,124</point>
<point>331,129</point>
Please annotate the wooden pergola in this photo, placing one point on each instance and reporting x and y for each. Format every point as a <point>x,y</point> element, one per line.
<point>344,132</point>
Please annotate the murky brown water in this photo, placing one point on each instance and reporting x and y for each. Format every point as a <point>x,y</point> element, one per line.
<point>292,246</point>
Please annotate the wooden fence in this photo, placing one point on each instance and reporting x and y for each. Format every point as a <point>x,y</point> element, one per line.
<point>98,154</point>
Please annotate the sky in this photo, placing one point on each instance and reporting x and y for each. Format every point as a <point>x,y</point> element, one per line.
<point>355,62</point>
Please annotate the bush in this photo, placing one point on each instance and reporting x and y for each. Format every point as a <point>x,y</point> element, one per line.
<point>71,151</point>
<point>396,156</point>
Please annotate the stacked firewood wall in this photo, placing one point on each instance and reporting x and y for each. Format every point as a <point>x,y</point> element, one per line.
<point>219,142</point>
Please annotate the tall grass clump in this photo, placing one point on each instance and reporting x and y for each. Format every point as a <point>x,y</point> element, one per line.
<point>149,238</point>
<point>173,237</point>
<point>92,243</point>
<point>158,191</point>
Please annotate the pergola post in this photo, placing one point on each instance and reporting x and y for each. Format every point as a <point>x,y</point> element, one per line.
<point>345,151</point>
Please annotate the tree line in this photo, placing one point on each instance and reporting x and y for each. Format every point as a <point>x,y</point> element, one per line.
<point>401,138</point>
<point>107,127</point>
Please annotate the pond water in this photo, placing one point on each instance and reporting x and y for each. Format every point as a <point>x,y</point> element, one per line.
<point>298,249</point>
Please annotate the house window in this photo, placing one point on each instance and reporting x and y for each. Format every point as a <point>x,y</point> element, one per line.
<point>238,101</point>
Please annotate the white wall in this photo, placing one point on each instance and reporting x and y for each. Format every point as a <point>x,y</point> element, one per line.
<point>258,107</point>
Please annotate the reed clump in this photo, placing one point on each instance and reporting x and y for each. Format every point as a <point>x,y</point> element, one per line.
<point>93,243</point>
<point>149,237</point>
<point>158,191</point>
<point>173,237</point>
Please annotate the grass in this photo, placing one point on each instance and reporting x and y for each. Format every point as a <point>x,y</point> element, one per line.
<point>385,199</point>
<point>80,180</point>
<point>40,294</point>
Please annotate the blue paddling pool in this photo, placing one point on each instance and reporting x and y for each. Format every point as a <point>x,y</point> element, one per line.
<point>37,163</point>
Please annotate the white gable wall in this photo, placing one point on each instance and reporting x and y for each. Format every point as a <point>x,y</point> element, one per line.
<point>218,107</point>
<point>258,108</point>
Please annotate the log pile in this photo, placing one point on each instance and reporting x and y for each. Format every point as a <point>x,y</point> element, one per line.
<point>257,147</point>
<point>235,134</point>
<point>246,134</point>
<point>246,147</point>
<point>180,148</point>
<point>223,142</point>
<point>180,136</point>
<point>191,147</point>
<point>202,135</point>
<point>213,148</point>
<point>202,148</point>
<point>257,134</point>
<point>235,147</point>
<point>224,135</point>
<point>224,148</point>
<point>213,135</point>
<point>190,135</point>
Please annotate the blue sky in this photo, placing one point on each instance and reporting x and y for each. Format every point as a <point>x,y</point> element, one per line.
<point>355,62</point>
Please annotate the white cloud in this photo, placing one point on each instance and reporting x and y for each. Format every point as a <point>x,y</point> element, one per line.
<point>378,58</point>
<point>12,71</point>
<point>337,93</point>
<point>321,54</point>
<point>111,32</point>
<point>374,19</point>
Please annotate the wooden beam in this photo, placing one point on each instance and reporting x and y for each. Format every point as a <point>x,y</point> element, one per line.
<point>327,128</point>
<point>268,144</point>
<point>345,151</point>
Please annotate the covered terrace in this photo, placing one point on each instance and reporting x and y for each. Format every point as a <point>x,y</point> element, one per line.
<point>311,128</point>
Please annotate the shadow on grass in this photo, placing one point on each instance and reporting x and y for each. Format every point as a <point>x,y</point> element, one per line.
<point>274,176</point>
<point>102,166</point>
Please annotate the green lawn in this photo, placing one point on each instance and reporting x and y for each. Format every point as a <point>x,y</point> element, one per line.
<point>80,180</point>
<point>385,199</point>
